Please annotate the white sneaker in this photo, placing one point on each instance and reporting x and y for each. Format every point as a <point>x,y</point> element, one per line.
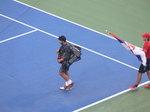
<point>63,87</point>
<point>134,87</point>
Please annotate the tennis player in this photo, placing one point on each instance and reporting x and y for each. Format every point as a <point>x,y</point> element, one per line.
<point>64,55</point>
<point>142,68</point>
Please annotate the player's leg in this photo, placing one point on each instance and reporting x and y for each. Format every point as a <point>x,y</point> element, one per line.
<point>139,77</point>
<point>66,77</point>
<point>70,83</point>
<point>63,72</point>
<point>148,72</point>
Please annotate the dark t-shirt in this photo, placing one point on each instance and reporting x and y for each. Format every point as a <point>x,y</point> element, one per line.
<point>65,52</point>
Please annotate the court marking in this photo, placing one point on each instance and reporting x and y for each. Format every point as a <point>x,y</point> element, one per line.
<point>70,42</point>
<point>63,19</point>
<point>18,36</point>
<point>105,99</point>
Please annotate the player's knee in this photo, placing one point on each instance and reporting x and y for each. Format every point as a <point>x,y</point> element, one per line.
<point>60,73</point>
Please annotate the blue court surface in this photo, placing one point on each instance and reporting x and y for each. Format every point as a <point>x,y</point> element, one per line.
<point>29,71</point>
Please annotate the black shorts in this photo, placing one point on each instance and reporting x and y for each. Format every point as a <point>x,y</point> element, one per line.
<point>143,69</point>
<point>64,67</point>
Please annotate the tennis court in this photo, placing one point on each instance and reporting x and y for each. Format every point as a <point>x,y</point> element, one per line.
<point>29,70</point>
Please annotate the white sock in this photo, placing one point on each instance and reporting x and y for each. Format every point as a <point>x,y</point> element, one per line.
<point>69,81</point>
<point>66,83</point>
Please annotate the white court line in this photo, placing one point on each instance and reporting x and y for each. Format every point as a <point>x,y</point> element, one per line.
<point>28,25</point>
<point>100,101</point>
<point>17,36</point>
<point>70,42</point>
<point>63,19</point>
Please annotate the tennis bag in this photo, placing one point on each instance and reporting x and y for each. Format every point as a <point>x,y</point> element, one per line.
<point>76,56</point>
